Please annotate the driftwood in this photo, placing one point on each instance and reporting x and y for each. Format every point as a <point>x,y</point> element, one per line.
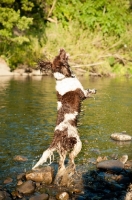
<point>116,56</point>
<point>88,65</point>
<point>118,59</point>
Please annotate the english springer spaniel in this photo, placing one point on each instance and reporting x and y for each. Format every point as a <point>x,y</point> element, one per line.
<point>70,94</point>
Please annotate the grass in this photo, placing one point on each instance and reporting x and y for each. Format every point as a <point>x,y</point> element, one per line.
<point>90,52</point>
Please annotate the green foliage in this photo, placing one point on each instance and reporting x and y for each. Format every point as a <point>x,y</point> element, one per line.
<point>31,28</point>
<point>20,21</point>
<point>111,61</point>
<point>12,25</point>
<point>111,17</point>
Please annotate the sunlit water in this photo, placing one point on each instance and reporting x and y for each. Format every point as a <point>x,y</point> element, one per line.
<point>28,116</point>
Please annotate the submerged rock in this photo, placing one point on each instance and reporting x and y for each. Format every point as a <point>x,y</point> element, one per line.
<point>4,195</point>
<point>8,180</point>
<point>121,137</point>
<point>113,165</point>
<point>27,187</point>
<point>44,175</point>
<point>40,197</point>
<point>20,158</point>
<point>21,176</point>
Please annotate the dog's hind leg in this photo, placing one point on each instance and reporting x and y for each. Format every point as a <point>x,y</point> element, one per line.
<point>61,167</point>
<point>65,177</point>
<point>74,153</point>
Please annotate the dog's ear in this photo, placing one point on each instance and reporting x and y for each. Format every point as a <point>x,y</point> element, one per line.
<point>44,65</point>
<point>63,55</point>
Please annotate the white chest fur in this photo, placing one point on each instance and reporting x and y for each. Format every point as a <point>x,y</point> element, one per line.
<point>68,84</point>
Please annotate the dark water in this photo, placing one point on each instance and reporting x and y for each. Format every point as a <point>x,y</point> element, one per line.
<point>28,115</point>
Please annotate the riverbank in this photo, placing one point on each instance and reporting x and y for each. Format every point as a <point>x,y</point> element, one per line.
<point>5,70</point>
<point>79,70</point>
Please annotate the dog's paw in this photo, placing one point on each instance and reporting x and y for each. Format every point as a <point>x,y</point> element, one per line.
<point>91,91</point>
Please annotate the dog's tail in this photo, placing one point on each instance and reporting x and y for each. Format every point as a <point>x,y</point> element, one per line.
<point>48,154</point>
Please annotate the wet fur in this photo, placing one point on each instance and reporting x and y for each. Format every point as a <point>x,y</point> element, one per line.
<point>70,94</point>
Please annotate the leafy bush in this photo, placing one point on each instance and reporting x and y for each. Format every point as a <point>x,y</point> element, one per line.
<point>31,28</point>
<point>111,17</point>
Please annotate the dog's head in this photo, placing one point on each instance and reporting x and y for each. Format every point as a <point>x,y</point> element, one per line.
<point>60,67</point>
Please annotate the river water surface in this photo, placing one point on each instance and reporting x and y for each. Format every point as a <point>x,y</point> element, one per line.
<point>28,116</point>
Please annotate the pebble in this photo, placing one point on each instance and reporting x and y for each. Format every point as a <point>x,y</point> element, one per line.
<point>99,159</point>
<point>38,184</point>
<point>124,158</point>
<point>121,137</point>
<point>128,196</point>
<point>19,182</point>
<point>62,196</point>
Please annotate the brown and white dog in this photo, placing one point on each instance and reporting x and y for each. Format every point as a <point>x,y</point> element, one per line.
<point>70,94</point>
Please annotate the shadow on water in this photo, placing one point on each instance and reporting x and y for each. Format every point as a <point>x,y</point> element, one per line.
<point>105,185</point>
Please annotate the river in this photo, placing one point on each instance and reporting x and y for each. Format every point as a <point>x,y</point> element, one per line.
<point>28,116</point>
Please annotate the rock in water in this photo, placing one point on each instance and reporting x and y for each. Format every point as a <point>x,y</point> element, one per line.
<point>4,195</point>
<point>27,187</point>
<point>113,165</point>
<point>44,175</point>
<point>121,137</point>
<point>20,158</point>
<point>8,180</point>
<point>21,176</point>
<point>40,197</point>
<point>124,158</point>
<point>62,196</point>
